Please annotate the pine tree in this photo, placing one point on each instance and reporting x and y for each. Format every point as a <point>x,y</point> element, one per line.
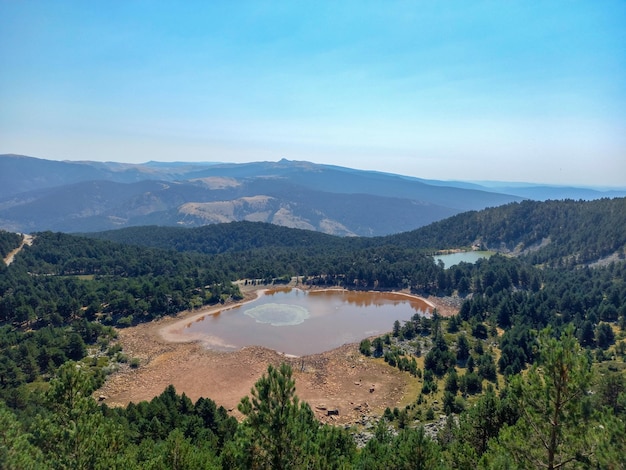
<point>279,430</point>
<point>481,422</point>
<point>16,452</point>
<point>75,434</point>
<point>554,430</point>
<point>414,450</point>
<point>462,349</point>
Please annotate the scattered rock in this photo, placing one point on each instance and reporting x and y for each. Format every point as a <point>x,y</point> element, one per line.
<point>432,429</point>
<point>362,438</point>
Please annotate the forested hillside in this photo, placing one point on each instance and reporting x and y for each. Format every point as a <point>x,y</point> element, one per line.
<point>263,251</point>
<point>565,233</point>
<point>230,237</point>
<point>560,233</point>
<point>8,242</point>
<point>547,315</point>
<point>62,295</point>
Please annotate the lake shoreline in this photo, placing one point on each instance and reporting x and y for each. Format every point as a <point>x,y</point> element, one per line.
<point>175,332</point>
<point>339,379</point>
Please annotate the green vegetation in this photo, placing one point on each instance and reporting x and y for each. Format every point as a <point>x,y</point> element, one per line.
<point>529,374</point>
<point>8,242</point>
<point>546,419</point>
<point>552,399</point>
<point>574,232</point>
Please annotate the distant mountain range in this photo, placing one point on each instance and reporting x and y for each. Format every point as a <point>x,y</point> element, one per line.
<point>38,195</point>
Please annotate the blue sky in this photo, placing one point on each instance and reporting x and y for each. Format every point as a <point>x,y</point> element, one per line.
<point>511,91</point>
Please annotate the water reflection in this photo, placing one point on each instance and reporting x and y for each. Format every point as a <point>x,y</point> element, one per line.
<point>278,314</point>
<point>452,259</point>
<point>300,322</point>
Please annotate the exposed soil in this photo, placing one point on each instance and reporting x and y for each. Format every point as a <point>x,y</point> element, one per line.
<point>341,379</point>
<point>26,240</point>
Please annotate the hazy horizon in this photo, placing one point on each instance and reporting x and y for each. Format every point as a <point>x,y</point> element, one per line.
<point>453,91</point>
<point>491,184</point>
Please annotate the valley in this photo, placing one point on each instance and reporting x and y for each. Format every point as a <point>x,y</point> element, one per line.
<point>312,235</point>
<point>92,333</point>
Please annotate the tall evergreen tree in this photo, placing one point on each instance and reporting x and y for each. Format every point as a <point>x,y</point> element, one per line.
<point>75,434</point>
<point>16,451</point>
<point>554,429</point>
<point>279,429</point>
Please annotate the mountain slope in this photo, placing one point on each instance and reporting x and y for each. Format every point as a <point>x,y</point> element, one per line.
<point>552,232</point>
<point>41,195</point>
<point>555,232</point>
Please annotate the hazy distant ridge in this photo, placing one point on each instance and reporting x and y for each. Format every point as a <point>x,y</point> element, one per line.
<point>37,195</point>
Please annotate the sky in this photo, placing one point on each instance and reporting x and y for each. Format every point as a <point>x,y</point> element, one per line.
<point>527,91</point>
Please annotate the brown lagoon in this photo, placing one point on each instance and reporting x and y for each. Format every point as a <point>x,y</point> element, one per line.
<point>298,322</point>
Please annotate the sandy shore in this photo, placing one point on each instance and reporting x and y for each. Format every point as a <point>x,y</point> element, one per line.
<point>340,379</point>
<point>175,332</point>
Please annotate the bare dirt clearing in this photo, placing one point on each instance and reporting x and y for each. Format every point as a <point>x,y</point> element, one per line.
<point>341,379</point>
<point>26,240</point>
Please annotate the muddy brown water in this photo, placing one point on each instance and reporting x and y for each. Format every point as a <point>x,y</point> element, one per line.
<point>298,322</point>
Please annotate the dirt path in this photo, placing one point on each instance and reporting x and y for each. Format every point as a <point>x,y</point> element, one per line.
<point>26,240</point>
<point>341,379</point>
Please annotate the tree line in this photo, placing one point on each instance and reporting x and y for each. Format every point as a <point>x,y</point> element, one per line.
<point>544,419</point>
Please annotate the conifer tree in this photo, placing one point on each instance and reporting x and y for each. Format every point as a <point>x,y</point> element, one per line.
<point>279,429</point>
<point>554,429</point>
<point>16,452</point>
<point>75,434</point>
